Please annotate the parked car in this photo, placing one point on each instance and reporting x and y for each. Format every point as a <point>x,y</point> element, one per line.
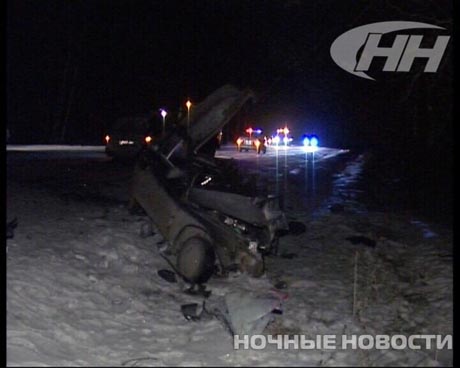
<point>207,210</point>
<point>129,135</point>
<point>252,141</point>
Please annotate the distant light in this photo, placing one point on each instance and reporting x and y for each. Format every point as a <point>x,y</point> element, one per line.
<point>286,140</point>
<point>239,141</point>
<point>286,130</point>
<point>188,104</point>
<point>163,113</point>
<point>276,139</point>
<point>312,145</point>
<point>148,139</point>
<point>107,138</point>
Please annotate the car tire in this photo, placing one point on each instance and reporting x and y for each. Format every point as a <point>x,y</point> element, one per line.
<point>196,260</point>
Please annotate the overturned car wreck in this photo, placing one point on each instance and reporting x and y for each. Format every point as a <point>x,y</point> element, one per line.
<point>211,217</point>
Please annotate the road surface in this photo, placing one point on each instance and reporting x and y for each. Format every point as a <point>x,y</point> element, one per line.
<point>87,172</point>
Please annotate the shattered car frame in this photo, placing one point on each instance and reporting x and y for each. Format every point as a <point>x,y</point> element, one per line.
<point>211,218</point>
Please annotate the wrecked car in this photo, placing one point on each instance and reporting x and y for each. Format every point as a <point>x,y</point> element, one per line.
<point>209,214</point>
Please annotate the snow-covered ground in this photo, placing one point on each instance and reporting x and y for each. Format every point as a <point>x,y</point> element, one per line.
<point>83,288</point>
<point>53,147</point>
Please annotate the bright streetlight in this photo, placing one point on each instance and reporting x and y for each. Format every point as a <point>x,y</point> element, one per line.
<point>188,104</point>
<point>163,114</point>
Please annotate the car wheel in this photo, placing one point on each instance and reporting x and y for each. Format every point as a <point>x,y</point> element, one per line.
<point>196,260</point>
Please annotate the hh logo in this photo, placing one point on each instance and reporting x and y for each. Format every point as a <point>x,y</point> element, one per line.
<point>399,57</point>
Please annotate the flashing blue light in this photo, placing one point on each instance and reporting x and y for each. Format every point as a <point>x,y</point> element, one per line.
<point>314,141</point>
<point>258,131</point>
<point>306,141</point>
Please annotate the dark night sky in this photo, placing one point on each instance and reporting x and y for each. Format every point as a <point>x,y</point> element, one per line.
<point>125,57</point>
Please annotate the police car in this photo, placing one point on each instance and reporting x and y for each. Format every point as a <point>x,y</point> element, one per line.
<point>252,141</point>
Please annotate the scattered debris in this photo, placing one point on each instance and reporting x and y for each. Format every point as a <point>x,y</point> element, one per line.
<point>10,226</point>
<point>281,285</point>
<point>146,229</point>
<point>198,290</point>
<point>289,255</point>
<point>296,228</point>
<point>359,239</point>
<point>190,312</point>
<point>167,275</point>
<point>250,313</point>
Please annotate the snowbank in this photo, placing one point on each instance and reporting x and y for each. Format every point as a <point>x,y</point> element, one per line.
<point>83,289</point>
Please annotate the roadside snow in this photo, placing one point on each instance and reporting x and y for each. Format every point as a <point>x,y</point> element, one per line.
<point>53,147</point>
<point>83,289</point>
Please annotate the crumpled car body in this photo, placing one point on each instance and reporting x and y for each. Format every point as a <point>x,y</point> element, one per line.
<point>208,212</point>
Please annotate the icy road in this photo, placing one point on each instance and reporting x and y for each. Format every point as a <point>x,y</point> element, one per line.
<point>83,288</point>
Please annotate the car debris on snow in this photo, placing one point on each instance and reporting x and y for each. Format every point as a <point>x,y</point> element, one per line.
<point>202,205</point>
<point>10,226</point>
